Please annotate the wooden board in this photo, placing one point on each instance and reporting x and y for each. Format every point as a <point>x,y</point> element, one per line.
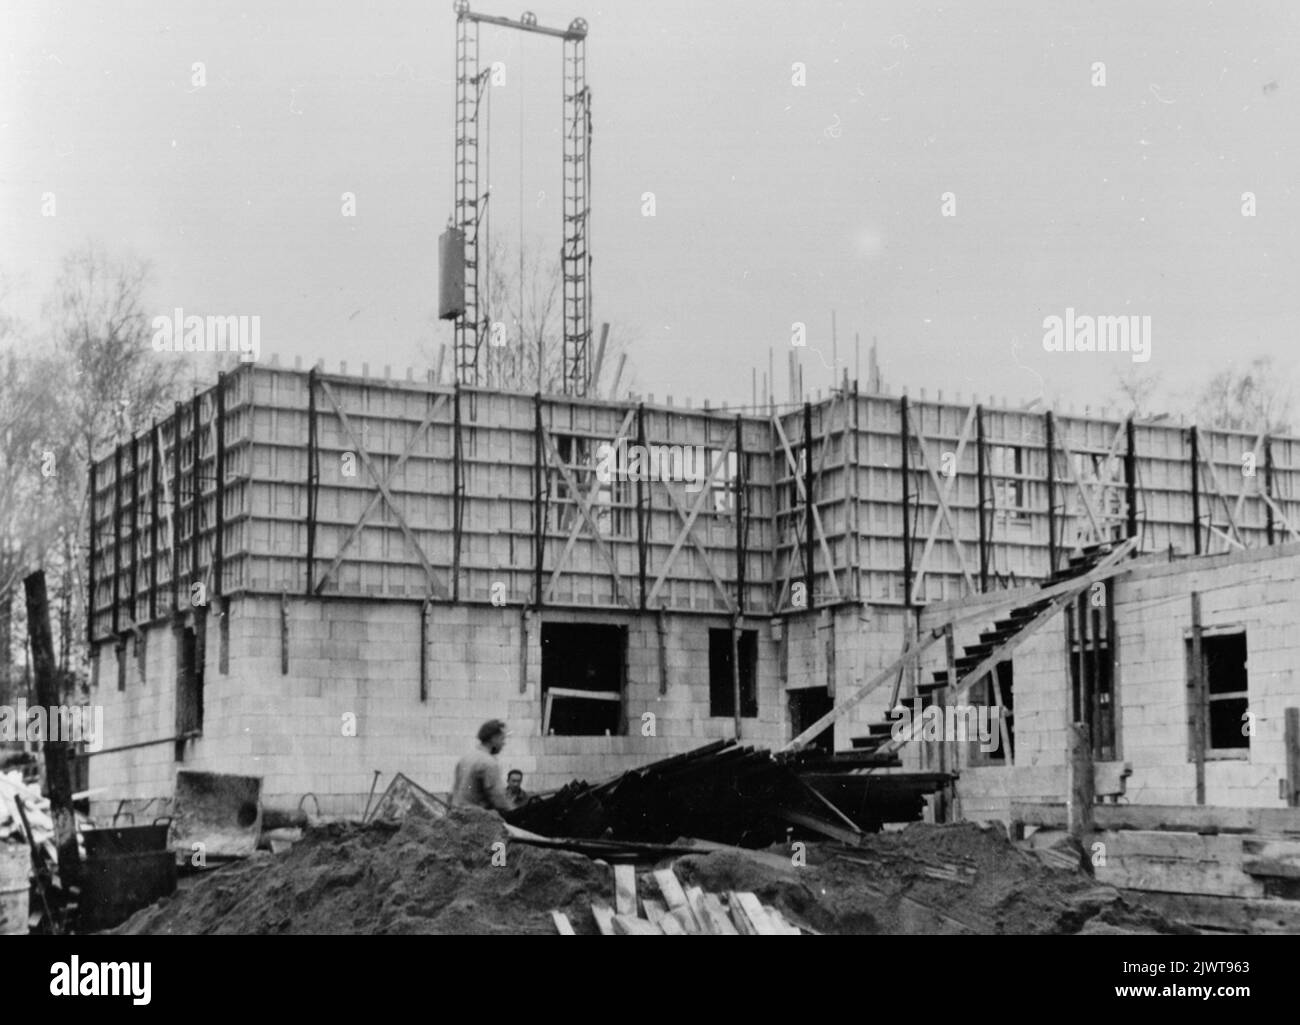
<point>1229,914</point>
<point>670,926</point>
<point>562,924</point>
<point>654,910</point>
<point>1168,818</point>
<point>625,889</point>
<point>1174,863</point>
<point>630,925</point>
<point>674,895</point>
<point>604,916</point>
<point>708,908</point>
<point>685,918</point>
<point>783,925</point>
<point>748,914</point>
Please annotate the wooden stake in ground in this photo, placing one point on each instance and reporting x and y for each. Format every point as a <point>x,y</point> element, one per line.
<point>57,752</point>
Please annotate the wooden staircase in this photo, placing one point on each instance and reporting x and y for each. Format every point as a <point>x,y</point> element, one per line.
<point>994,646</point>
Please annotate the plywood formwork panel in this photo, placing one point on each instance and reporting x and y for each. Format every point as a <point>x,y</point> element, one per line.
<point>447,484</point>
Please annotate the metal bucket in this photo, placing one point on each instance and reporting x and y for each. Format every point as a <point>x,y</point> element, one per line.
<point>15,888</point>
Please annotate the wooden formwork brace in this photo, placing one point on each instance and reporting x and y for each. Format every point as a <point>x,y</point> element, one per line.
<point>379,496</point>
<point>1091,492</point>
<point>687,533</point>
<point>585,503</point>
<point>801,490</point>
<point>1235,539</point>
<point>943,511</point>
<point>436,584</point>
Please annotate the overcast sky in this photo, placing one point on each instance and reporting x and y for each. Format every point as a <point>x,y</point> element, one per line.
<point>774,203</point>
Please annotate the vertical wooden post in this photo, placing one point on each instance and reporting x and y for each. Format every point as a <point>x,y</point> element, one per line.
<point>117,538</point>
<point>176,507</point>
<point>1130,478</point>
<point>58,753</point>
<point>1082,786</point>
<point>284,634</point>
<point>1292,736</point>
<point>735,672</point>
<point>525,624</point>
<point>1197,687</point>
<point>135,529</point>
<point>642,493</point>
<point>1194,438</point>
<point>424,650</point>
<point>981,471</point>
<point>1050,427</point>
<point>809,499</point>
<point>155,480</point>
<point>219,542</point>
<point>90,562</point>
<point>458,504</point>
<point>661,629</point>
<point>739,512</point>
<point>196,491</point>
<point>313,479</point>
<point>1084,669</point>
<point>904,438</point>
<point>1268,488</point>
<point>539,504</point>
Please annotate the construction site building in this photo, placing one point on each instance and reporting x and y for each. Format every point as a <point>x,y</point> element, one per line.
<point>310,577</point>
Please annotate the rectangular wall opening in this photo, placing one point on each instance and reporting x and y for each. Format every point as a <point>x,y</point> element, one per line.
<point>189,686</point>
<point>1226,699</point>
<point>722,698</point>
<point>582,679</point>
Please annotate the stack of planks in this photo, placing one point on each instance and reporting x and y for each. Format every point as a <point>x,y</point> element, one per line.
<point>679,911</point>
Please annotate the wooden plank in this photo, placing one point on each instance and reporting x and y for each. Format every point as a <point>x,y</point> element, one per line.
<point>674,895</point>
<point>655,911</point>
<point>670,925</point>
<point>1175,863</point>
<point>1170,818</point>
<point>630,925</point>
<point>594,695</point>
<point>625,889</point>
<point>783,925</point>
<point>1291,733</point>
<point>686,919</point>
<point>1270,917</point>
<point>562,924</point>
<point>1081,792</point>
<point>604,916</point>
<point>714,915</point>
<point>746,908</point>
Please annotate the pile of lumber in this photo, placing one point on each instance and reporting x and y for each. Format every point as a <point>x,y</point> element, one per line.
<point>679,911</point>
<point>731,794</point>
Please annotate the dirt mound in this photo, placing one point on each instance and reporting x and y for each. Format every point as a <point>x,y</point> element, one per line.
<point>927,879</point>
<point>438,876</point>
<point>427,876</point>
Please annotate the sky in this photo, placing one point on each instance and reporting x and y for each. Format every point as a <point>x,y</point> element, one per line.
<point>800,157</point>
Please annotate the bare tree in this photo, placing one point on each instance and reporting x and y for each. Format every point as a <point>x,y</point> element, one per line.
<point>1135,389</point>
<point>1254,398</point>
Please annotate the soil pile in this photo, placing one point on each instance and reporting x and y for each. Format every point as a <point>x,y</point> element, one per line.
<point>426,876</point>
<point>439,876</point>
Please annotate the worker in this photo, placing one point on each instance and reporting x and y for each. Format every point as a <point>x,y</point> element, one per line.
<point>478,776</point>
<point>515,788</point>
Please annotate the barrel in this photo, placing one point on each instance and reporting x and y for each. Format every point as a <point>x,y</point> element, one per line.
<point>15,868</point>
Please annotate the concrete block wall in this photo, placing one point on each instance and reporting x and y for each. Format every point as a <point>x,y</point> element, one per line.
<point>350,702</point>
<point>1257,590</point>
